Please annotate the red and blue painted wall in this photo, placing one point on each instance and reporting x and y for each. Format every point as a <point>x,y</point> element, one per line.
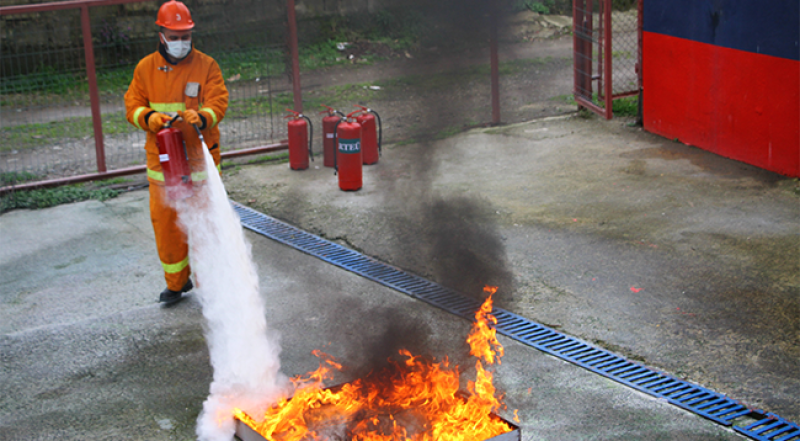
<point>724,75</point>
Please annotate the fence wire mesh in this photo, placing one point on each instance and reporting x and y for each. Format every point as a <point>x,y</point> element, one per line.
<point>625,51</point>
<point>606,33</point>
<point>46,127</point>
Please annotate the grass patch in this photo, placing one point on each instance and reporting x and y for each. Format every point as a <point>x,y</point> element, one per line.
<point>114,181</point>
<point>335,96</point>
<point>276,158</point>
<point>628,106</point>
<point>566,99</point>
<point>41,134</point>
<point>50,197</point>
<point>455,130</point>
<point>408,141</point>
<point>251,63</point>
<point>13,178</point>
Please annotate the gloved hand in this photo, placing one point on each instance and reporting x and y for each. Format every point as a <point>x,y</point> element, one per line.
<point>156,121</point>
<point>191,117</point>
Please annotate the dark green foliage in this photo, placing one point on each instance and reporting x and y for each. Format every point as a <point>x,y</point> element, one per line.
<point>628,106</point>
<point>50,197</point>
<point>560,7</point>
<point>12,178</point>
<point>623,5</point>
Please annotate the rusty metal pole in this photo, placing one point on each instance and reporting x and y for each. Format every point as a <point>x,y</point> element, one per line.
<point>608,72</point>
<point>640,42</point>
<point>294,53</point>
<point>494,63</point>
<point>94,95</point>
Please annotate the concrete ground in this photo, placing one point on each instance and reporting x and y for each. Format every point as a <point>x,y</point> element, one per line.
<point>666,254</point>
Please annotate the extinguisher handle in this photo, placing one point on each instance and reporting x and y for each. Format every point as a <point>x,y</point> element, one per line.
<point>336,148</point>
<point>171,121</point>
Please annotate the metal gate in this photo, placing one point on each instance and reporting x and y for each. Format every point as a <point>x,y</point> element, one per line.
<point>607,52</point>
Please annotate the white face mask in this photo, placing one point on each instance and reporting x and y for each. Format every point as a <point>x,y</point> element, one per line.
<point>177,49</point>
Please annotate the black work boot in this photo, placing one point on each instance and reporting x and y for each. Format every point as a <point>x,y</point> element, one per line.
<point>169,296</point>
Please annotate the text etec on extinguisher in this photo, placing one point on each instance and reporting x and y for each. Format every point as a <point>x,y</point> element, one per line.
<point>349,145</point>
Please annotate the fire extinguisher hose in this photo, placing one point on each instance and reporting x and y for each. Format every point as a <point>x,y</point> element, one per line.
<point>380,131</point>
<point>336,147</point>
<point>310,136</point>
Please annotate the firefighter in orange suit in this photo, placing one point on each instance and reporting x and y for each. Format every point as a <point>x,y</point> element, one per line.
<point>177,79</point>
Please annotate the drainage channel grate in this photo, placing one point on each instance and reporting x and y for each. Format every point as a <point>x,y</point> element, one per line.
<point>697,399</point>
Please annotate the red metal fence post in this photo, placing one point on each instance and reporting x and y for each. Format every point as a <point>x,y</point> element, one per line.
<point>576,61</point>
<point>640,42</point>
<point>495,62</point>
<point>609,81</point>
<point>94,95</point>
<point>294,53</point>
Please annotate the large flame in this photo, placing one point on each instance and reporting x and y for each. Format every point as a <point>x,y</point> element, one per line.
<point>414,399</point>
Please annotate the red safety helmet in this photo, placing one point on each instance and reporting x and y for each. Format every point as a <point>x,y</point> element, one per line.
<point>175,16</point>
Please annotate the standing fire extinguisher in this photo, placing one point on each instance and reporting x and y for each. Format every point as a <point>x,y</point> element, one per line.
<point>300,134</point>
<point>174,162</point>
<point>371,140</point>
<point>329,124</point>
<point>348,160</point>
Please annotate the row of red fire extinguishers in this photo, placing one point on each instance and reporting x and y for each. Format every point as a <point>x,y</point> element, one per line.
<point>349,142</point>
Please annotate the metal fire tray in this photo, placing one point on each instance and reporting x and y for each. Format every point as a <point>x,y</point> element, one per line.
<point>246,433</point>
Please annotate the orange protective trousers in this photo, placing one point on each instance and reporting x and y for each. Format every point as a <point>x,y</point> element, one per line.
<point>159,85</point>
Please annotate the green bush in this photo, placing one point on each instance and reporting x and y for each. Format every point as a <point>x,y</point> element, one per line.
<point>623,5</point>
<point>12,178</point>
<point>49,197</point>
<point>561,7</point>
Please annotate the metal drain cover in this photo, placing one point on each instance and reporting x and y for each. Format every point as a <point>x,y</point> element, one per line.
<point>697,399</point>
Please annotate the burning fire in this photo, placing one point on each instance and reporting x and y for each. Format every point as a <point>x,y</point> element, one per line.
<point>412,399</point>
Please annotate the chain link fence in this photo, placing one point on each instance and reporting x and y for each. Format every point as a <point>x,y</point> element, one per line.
<point>46,127</point>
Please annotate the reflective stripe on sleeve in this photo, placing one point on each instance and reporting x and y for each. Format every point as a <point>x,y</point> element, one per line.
<point>213,116</point>
<point>168,107</point>
<point>172,268</point>
<point>196,176</point>
<point>155,175</point>
<point>136,115</point>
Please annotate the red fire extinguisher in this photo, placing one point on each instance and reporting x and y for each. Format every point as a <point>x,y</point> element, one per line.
<point>174,162</point>
<point>348,160</point>
<point>300,135</point>
<point>371,140</point>
<point>329,134</point>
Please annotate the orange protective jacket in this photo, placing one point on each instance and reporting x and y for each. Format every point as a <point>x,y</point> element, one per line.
<point>158,85</point>
<point>193,83</point>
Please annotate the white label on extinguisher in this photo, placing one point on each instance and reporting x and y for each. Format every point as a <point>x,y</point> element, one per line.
<point>349,145</point>
<point>331,135</point>
<point>163,157</point>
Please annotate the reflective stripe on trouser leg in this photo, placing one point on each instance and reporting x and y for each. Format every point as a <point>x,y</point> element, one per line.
<point>173,249</point>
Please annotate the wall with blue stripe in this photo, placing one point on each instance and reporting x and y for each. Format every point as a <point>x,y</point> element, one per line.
<point>724,75</point>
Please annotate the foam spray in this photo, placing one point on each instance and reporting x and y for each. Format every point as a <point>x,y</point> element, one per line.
<point>244,352</point>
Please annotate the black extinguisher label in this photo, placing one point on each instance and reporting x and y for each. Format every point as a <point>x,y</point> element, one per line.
<point>349,145</point>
